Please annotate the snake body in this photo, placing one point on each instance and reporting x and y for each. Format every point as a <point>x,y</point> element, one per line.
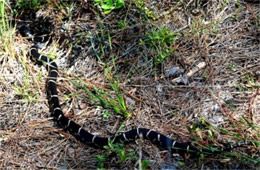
<point>84,136</point>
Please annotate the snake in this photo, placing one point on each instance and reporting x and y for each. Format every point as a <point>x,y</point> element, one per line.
<point>162,141</point>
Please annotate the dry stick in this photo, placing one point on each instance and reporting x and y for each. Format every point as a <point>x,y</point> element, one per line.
<point>191,72</point>
<point>131,95</point>
<point>196,69</point>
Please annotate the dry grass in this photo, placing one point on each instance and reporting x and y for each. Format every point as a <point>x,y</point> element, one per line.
<point>225,93</point>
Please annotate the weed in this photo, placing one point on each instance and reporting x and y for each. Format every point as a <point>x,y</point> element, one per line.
<point>180,163</point>
<point>257,22</point>
<point>106,114</point>
<point>145,164</point>
<point>26,93</point>
<point>199,28</point>
<point>28,4</point>
<point>250,82</point>
<point>161,41</point>
<point>104,98</point>
<point>25,90</point>
<point>123,24</point>
<point>4,21</point>
<point>6,32</point>
<point>118,149</point>
<point>148,12</point>
<point>247,82</point>
<point>203,128</point>
<point>65,7</point>
<point>101,159</point>
<point>251,125</point>
<point>232,67</point>
<point>101,96</point>
<point>52,53</point>
<point>109,5</point>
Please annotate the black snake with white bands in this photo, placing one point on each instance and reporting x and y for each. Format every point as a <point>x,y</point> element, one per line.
<point>80,133</point>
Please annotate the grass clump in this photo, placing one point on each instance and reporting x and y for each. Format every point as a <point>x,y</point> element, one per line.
<point>4,26</point>
<point>205,131</point>
<point>161,42</point>
<point>6,32</point>
<point>141,5</point>
<point>120,150</point>
<point>28,4</point>
<point>103,97</point>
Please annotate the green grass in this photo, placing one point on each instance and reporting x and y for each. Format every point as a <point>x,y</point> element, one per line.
<point>104,98</point>
<point>7,33</point>
<point>111,99</point>
<point>203,129</point>
<point>142,6</point>
<point>161,42</point>
<point>28,4</point>
<point>66,8</point>
<point>7,47</point>
<point>122,153</point>
<point>4,25</point>
<point>25,90</point>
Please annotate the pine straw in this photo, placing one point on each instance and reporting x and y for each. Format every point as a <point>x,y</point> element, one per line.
<point>229,44</point>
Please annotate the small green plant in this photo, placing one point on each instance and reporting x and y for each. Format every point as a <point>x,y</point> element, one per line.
<point>123,24</point>
<point>28,4</point>
<point>65,7</point>
<point>230,104</point>
<point>105,99</point>
<point>118,149</point>
<point>181,163</point>
<point>25,90</point>
<point>106,114</point>
<point>101,159</point>
<point>25,93</point>
<point>143,7</point>
<point>52,53</point>
<point>201,129</point>
<point>145,164</point>
<point>7,33</point>
<point>232,67</point>
<point>100,96</point>
<point>246,83</point>
<point>3,22</point>
<point>109,5</point>
<point>161,41</point>
<point>250,82</point>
